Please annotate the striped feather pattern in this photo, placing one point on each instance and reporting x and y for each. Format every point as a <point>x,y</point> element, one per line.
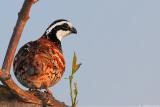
<point>39,64</point>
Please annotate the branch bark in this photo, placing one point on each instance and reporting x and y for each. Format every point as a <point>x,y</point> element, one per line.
<point>23,16</point>
<point>10,85</point>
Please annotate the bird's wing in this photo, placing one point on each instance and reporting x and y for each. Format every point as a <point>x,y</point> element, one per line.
<point>36,57</point>
<point>32,57</point>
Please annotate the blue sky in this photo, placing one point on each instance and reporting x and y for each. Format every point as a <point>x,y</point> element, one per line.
<point>117,43</point>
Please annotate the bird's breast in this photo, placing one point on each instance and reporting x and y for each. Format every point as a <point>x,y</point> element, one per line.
<point>39,64</point>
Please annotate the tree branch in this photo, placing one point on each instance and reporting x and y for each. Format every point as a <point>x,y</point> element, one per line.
<point>23,16</point>
<point>10,85</point>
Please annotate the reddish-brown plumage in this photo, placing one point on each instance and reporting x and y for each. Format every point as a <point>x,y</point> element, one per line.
<point>39,64</point>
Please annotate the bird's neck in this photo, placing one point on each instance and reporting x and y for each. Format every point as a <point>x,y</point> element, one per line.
<point>54,40</point>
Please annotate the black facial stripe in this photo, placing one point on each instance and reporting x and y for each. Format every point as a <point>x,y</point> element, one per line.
<point>57,28</point>
<point>63,27</point>
<point>51,35</point>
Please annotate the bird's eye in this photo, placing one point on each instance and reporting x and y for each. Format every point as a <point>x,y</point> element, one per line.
<point>65,27</point>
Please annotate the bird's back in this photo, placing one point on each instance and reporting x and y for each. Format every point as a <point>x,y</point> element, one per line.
<point>39,64</point>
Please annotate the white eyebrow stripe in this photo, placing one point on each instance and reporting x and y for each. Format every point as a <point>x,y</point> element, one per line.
<point>53,26</point>
<point>59,23</point>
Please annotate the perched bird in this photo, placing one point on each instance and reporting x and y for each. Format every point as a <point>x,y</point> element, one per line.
<point>40,64</point>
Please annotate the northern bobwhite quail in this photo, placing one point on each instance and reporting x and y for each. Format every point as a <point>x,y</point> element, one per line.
<point>40,64</point>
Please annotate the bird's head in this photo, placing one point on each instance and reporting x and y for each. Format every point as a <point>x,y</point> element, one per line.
<point>60,29</point>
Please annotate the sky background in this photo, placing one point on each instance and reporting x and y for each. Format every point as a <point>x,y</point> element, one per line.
<point>118,43</point>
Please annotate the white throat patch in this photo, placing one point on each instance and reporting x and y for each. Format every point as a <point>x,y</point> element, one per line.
<point>61,34</point>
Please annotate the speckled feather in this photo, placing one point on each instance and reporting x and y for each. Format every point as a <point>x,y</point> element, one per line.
<point>39,64</point>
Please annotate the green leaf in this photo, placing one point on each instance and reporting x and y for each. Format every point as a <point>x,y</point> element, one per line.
<point>66,78</point>
<point>77,67</point>
<point>74,62</point>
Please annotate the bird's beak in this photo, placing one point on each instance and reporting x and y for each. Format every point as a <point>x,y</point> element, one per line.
<point>73,30</point>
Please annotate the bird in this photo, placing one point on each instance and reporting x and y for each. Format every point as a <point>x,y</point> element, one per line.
<point>40,64</point>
